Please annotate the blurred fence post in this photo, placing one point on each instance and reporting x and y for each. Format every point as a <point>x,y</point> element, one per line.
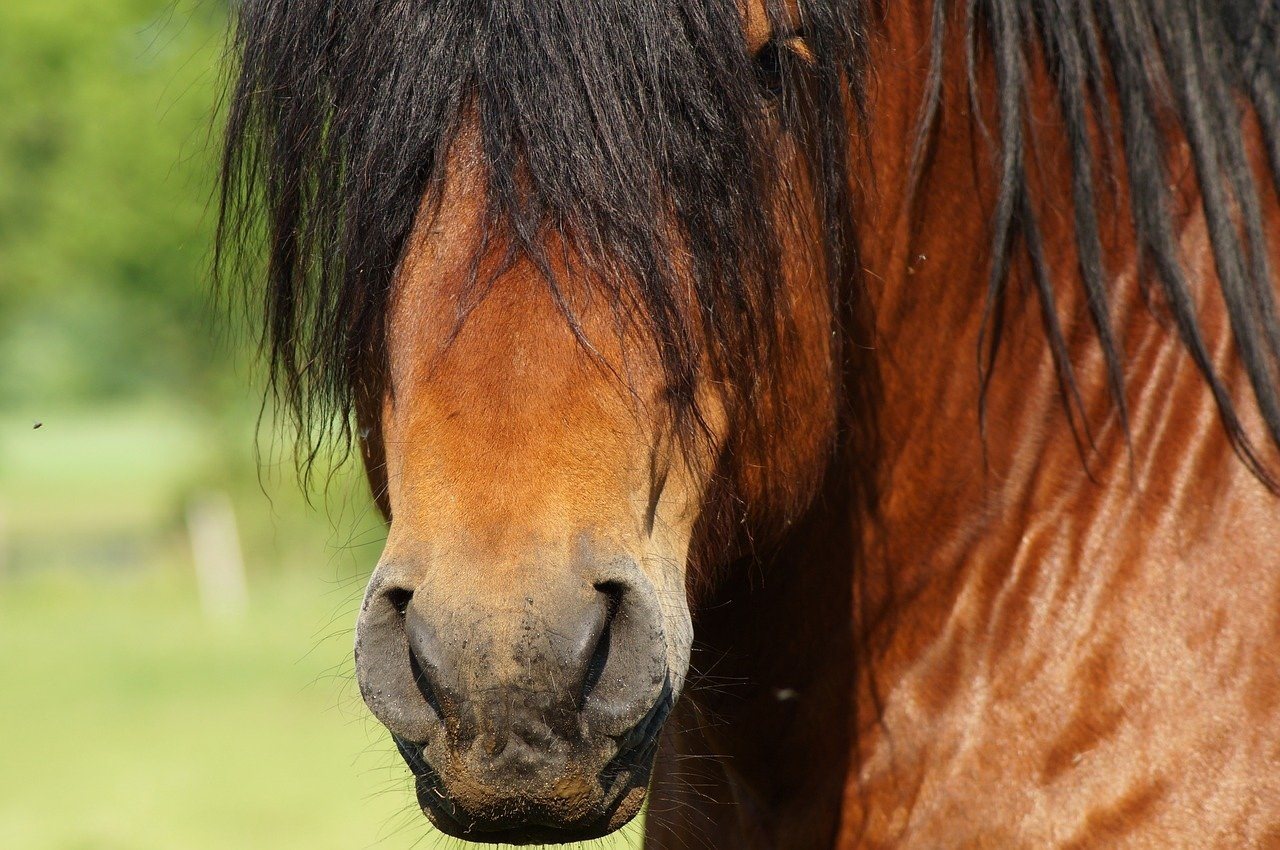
<point>219,562</point>
<point>4,543</point>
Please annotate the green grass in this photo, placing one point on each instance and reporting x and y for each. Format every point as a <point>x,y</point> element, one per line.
<point>130,722</point>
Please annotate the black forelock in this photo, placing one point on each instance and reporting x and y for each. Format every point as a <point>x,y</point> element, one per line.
<point>616,127</point>
<point>622,125</point>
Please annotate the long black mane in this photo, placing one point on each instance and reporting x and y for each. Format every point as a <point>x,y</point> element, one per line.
<point>1182,72</point>
<point>601,121</point>
<point>602,124</point>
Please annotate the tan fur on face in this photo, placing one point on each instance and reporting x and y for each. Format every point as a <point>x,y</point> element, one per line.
<point>525,450</point>
<point>512,442</point>
<point>514,434</point>
<point>757,26</point>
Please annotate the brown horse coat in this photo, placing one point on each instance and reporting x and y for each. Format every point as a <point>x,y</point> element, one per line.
<point>850,334</point>
<point>1048,650</point>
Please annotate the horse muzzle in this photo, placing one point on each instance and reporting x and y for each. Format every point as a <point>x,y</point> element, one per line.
<point>528,709</point>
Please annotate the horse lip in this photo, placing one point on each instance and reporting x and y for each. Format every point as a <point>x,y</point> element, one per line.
<point>635,751</point>
<point>445,817</point>
<point>442,812</point>
<point>643,736</point>
<point>640,738</point>
<point>412,754</point>
<point>524,835</point>
<point>426,782</point>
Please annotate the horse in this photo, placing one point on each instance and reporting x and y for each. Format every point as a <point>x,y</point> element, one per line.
<point>837,423</point>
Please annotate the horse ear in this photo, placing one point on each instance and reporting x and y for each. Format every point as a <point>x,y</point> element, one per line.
<point>373,453</point>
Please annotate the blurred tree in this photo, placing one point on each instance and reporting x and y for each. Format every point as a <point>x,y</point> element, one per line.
<point>107,152</point>
<point>108,331</point>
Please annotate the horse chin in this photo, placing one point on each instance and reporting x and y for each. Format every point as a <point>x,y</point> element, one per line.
<point>579,802</point>
<point>615,809</point>
<point>593,810</point>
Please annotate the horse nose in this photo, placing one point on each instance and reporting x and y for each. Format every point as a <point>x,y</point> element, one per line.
<point>558,662</point>
<point>527,671</point>
<point>533,701</point>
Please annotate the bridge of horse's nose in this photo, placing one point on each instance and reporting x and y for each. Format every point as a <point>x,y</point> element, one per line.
<point>525,667</point>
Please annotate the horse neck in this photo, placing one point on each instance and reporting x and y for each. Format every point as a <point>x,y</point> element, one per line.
<point>954,458</point>
<point>988,524</point>
<point>949,455</point>
<point>1022,552</point>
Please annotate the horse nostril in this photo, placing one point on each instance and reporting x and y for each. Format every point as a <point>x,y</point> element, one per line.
<point>600,654</point>
<point>425,685</point>
<point>400,599</point>
<point>420,667</point>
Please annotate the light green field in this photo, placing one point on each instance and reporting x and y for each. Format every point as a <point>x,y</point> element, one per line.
<point>129,721</point>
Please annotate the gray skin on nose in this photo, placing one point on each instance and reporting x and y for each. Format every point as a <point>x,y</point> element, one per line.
<point>526,712</point>
<point>522,673</point>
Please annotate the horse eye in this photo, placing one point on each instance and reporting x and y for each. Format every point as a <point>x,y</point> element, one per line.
<point>769,60</point>
<point>768,65</point>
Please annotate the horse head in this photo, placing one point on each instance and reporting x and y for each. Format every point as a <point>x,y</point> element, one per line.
<point>585,313</point>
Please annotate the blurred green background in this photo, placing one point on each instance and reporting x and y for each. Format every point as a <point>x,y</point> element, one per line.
<point>148,697</point>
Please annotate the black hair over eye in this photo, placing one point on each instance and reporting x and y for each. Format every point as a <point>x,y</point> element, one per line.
<point>768,65</point>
